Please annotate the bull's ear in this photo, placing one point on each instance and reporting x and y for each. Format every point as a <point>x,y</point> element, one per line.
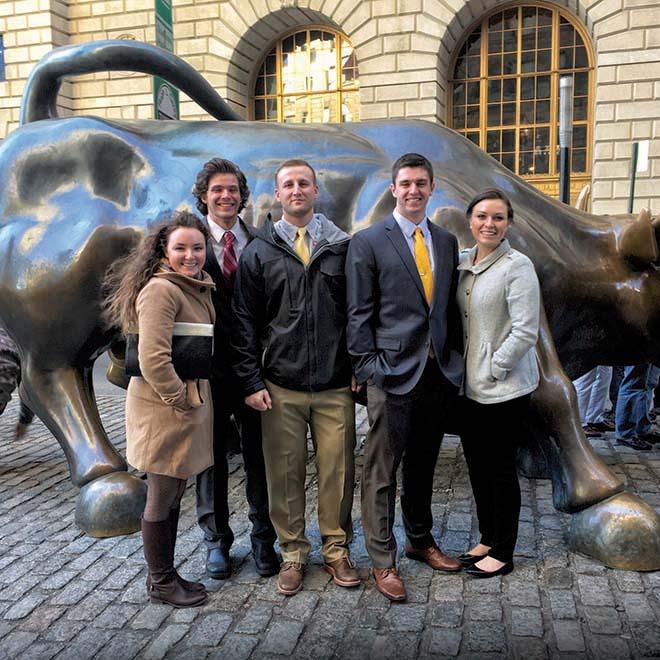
<point>638,241</point>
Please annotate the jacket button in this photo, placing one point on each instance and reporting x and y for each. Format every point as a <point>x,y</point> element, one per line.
<point>466,314</point>
<point>467,292</point>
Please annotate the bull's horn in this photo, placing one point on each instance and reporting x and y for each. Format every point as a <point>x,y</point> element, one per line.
<point>582,201</point>
<point>637,241</point>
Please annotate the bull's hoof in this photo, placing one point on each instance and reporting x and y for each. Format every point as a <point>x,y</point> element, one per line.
<point>621,532</point>
<point>111,505</point>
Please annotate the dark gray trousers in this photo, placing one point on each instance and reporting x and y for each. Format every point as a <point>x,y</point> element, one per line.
<point>403,429</point>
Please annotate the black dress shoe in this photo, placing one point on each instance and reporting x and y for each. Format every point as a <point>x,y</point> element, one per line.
<point>218,565</point>
<point>652,437</point>
<point>265,559</point>
<point>634,443</point>
<point>477,572</point>
<point>467,559</point>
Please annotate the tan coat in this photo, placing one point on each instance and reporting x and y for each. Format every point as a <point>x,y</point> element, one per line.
<point>169,423</point>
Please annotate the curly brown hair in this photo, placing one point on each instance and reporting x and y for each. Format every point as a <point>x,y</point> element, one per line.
<point>127,276</point>
<point>208,171</point>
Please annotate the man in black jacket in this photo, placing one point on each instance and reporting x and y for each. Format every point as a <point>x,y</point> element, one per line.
<point>290,311</point>
<point>221,191</point>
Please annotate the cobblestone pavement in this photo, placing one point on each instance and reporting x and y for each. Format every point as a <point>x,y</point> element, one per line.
<point>65,595</point>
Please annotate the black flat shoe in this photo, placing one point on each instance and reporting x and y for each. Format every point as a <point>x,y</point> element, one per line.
<point>467,559</point>
<point>477,572</point>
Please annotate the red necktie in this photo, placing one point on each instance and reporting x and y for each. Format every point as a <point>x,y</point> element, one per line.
<point>229,262</point>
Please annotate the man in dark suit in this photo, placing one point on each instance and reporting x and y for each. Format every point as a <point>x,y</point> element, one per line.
<point>221,191</point>
<point>404,336</point>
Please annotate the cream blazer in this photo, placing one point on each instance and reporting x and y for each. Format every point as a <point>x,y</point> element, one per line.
<point>499,302</point>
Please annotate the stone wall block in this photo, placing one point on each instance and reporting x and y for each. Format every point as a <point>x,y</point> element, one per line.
<point>378,64</point>
<point>396,24</point>
<point>357,18</point>
<point>406,61</point>
<point>107,7</point>
<point>383,8</point>
<point>396,92</point>
<point>620,92</point>
<point>643,91</point>
<point>123,21</point>
<point>622,41</point>
<point>611,170</point>
<point>364,33</point>
<point>603,9</point>
<point>644,17</point>
<point>420,42</point>
<point>637,110</point>
<point>373,48</point>
<point>652,37</point>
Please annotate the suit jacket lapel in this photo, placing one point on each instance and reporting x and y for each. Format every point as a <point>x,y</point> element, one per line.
<point>401,246</point>
<point>212,267</point>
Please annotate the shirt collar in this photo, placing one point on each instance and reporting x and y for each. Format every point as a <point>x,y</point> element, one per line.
<point>408,226</point>
<point>314,228</point>
<point>217,232</point>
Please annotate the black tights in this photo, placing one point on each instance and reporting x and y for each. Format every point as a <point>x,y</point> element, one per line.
<point>163,495</point>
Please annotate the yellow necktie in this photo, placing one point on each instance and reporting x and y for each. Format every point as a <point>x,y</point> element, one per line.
<point>423,263</point>
<point>300,245</point>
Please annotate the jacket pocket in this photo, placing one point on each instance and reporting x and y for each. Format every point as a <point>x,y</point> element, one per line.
<point>387,342</point>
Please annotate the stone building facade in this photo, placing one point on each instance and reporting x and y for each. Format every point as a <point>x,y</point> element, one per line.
<point>405,52</point>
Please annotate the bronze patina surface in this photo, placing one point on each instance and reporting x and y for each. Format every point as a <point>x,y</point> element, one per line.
<point>77,192</point>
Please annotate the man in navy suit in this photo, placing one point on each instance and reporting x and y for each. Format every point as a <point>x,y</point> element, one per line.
<point>404,335</point>
<point>222,192</point>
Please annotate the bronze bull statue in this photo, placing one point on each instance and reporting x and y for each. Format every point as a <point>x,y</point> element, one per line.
<point>77,192</point>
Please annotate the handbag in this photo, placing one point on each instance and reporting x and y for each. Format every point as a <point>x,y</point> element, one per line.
<point>192,351</point>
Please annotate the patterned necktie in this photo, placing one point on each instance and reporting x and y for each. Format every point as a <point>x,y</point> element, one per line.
<point>300,245</point>
<point>229,262</point>
<point>423,263</point>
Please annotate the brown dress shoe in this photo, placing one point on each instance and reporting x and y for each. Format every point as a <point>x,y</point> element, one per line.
<point>434,558</point>
<point>389,583</point>
<point>290,579</point>
<point>343,572</point>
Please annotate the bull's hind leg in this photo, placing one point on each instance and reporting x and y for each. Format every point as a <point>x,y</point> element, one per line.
<point>617,528</point>
<point>111,500</point>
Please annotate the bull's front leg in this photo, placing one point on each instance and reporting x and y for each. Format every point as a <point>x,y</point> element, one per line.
<point>111,501</point>
<point>617,528</point>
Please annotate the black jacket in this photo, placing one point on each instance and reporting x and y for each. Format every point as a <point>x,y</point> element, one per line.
<point>222,297</point>
<point>290,320</point>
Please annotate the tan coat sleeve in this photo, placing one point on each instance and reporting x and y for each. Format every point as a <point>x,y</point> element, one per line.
<point>157,307</point>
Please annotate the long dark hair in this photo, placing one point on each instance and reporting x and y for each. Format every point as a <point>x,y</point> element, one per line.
<point>126,277</point>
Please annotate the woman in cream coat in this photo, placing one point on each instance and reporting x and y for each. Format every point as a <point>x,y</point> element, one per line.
<point>498,296</point>
<point>168,421</point>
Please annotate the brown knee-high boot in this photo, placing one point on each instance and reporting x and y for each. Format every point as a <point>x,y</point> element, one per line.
<point>159,553</point>
<point>174,526</point>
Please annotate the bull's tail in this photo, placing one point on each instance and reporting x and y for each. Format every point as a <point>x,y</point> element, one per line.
<point>40,95</point>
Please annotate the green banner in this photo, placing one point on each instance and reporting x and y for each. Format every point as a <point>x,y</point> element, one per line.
<point>166,96</point>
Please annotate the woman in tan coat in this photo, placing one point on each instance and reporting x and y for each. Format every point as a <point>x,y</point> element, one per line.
<point>156,289</point>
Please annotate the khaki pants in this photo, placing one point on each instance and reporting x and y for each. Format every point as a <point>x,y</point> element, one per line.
<point>331,417</point>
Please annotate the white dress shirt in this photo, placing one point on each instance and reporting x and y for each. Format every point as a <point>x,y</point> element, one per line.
<point>217,232</point>
<point>408,228</point>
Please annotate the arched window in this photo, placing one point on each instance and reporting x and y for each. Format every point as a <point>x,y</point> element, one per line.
<point>310,76</point>
<point>504,91</point>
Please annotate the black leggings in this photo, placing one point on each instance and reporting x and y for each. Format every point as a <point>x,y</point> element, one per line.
<point>163,495</point>
<point>491,435</point>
